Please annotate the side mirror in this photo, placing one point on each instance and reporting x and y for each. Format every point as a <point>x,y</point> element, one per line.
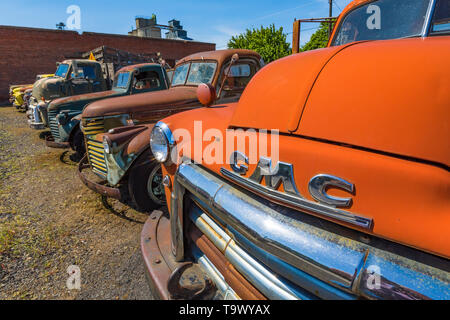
<point>206,94</point>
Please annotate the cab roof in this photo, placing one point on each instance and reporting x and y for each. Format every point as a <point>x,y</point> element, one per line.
<point>138,66</point>
<point>219,55</point>
<point>81,60</point>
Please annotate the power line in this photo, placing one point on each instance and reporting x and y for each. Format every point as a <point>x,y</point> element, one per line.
<point>335,3</point>
<point>304,30</point>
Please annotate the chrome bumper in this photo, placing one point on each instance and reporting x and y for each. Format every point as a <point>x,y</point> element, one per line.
<point>288,254</point>
<point>161,266</point>
<point>35,117</point>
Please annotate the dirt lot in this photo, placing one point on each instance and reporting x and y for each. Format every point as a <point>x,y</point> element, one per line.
<point>49,221</point>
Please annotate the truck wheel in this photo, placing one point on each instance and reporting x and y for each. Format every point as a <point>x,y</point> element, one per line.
<point>145,184</point>
<point>78,146</point>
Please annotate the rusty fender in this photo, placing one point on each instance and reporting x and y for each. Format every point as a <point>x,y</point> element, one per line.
<point>94,186</point>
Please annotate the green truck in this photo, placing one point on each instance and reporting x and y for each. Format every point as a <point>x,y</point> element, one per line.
<point>72,77</point>
<point>64,113</point>
<point>80,76</point>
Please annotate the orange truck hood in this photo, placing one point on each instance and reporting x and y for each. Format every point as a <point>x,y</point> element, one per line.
<point>326,94</point>
<point>362,113</point>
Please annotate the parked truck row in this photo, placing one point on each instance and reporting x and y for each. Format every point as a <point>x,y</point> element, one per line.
<point>322,175</point>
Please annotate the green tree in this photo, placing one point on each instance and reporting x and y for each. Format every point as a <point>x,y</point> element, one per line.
<point>269,42</point>
<point>319,39</point>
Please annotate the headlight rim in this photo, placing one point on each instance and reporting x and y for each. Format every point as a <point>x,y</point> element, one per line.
<point>168,137</point>
<point>107,146</point>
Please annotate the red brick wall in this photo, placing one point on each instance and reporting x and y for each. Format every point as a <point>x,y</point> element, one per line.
<point>26,52</point>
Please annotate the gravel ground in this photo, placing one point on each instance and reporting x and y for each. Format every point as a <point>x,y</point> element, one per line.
<point>49,221</point>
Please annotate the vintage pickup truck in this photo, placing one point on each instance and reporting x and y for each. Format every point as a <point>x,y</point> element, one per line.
<point>64,113</point>
<point>117,130</point>
<point>72,77</point>
<point>351,202</point>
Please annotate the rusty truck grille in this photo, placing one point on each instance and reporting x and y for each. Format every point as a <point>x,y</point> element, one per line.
<point>53,124</point>
<point>96,156</point>
<point>93,126</point>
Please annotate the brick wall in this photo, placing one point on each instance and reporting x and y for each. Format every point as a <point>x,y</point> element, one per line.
<point>26,52</point>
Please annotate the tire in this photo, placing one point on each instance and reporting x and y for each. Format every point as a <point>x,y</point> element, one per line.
<point>145,184</point>
<point>77,144</point>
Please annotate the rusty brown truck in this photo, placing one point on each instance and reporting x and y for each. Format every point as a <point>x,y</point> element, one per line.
<point>117,130</point>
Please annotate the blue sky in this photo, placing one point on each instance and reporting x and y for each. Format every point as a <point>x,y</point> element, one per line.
<point>205,20</point>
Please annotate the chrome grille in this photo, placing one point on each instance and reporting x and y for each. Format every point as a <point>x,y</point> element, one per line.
<point>97,157</point>
<point>53,124</point>
<point>93,126</point>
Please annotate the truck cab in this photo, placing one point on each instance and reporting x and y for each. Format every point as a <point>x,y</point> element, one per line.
<point>117,130</point>
<point>64,113</point>
<point>329,179</point>
<point>72,77</point>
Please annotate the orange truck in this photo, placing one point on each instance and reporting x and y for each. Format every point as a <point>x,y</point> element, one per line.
<point>329,179</point>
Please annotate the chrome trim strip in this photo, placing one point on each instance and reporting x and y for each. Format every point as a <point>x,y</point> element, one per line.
<point>176,222</point>
<point>300,203</point>
<point>295,275</point>
<point>207,266</point>
<point>428,18</point>
<point>337,260</point>
<point>262,278</point>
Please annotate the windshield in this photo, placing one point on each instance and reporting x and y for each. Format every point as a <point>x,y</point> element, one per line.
<point>199,72</point>
<point>383,19</point>
<point>87,72</point>
<point>62,69</point>
<point>121,80</point>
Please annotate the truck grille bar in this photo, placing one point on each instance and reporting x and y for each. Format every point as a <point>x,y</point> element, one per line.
<point>53,124</point>
<point>96,156</point>
<point>93,126</point>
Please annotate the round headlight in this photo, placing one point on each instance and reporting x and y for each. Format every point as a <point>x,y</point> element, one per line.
<point>106,145</point>
<point>161,141</point>
<point>159,144</point>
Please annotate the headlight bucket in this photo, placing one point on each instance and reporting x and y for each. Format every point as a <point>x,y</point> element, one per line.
<point>107,145</point>
<point>161,142</point>
<point>62,118</point>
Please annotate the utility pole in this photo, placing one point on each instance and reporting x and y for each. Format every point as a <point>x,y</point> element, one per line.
<point>330,15</point>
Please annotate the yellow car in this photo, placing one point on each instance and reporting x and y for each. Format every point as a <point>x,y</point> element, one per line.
<point>17,92</point>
